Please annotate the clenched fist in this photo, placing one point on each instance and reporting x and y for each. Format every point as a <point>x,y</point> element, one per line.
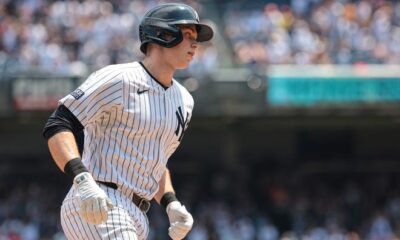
<point>94,203</point>
<point>181,221</point>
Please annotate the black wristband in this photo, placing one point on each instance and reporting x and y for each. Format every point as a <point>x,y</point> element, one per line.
<point>167,198</point>
<point>74,167</point>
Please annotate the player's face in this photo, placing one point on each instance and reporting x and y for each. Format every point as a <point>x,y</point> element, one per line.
<point>183,53</point>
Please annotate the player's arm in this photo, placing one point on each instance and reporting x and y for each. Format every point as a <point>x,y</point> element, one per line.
<point>63,148</point>
<point>181,221</point>
<point>61,130</point>
<point>165,186</point>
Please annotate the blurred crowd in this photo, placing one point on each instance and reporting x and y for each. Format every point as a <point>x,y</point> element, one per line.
<point>76,37</point>
<point>314,31</point>
<point>270,206</point>
<point>30,211</point>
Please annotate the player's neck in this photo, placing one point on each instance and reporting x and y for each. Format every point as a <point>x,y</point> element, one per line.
<point>162,71</point>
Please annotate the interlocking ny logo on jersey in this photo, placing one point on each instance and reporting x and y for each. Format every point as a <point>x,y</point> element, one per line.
<point>182,122</point>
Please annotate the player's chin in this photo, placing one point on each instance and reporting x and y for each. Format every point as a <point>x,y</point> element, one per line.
<point>184,65</point>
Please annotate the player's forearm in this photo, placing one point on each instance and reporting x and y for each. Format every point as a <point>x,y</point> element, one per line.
<point>63,148</point>
<point>165,185</point>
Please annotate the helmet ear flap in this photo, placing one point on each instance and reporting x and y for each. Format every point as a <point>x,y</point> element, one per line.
<point>163,34</point>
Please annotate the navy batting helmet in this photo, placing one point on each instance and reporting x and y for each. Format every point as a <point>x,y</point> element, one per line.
<point>162,21</point>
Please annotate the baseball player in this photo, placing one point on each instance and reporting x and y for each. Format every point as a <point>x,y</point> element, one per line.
<point>133,117</point>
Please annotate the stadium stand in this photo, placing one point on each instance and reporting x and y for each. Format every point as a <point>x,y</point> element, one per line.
<point>74,37</point>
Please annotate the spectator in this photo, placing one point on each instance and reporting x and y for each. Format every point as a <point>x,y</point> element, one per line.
<point>72,37</point>
<point>314,32</point>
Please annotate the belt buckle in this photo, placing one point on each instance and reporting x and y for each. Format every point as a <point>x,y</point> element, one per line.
<point>144,205</point>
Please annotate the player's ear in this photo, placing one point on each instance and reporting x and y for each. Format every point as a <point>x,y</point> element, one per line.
<point>164,35</point>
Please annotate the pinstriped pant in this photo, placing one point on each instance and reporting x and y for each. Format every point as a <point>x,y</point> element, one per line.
<point>125,220</point>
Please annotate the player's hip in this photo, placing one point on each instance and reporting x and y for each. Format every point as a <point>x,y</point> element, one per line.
<point>125,220</point>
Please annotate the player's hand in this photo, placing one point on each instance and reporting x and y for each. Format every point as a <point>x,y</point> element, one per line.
<point>94,203</point>
<point>181,221</point>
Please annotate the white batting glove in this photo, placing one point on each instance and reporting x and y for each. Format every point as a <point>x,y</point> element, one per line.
<point>181,221</point>
<point>94,203</point>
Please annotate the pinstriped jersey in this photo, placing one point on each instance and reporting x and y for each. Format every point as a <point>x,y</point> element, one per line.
<point>132,123</point>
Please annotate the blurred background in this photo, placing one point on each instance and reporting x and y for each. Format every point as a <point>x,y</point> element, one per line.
<point>296,127</point>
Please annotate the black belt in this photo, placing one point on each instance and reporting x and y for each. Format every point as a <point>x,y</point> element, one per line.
<point>141,203</point>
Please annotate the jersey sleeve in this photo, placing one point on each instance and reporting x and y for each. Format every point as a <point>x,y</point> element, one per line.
<point>102,91</point>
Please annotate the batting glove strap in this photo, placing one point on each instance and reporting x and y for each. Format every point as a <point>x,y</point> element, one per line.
<point>94,203</point>
<point>181,221</point>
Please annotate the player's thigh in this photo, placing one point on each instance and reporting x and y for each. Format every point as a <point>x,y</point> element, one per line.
<point>119,225</point>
